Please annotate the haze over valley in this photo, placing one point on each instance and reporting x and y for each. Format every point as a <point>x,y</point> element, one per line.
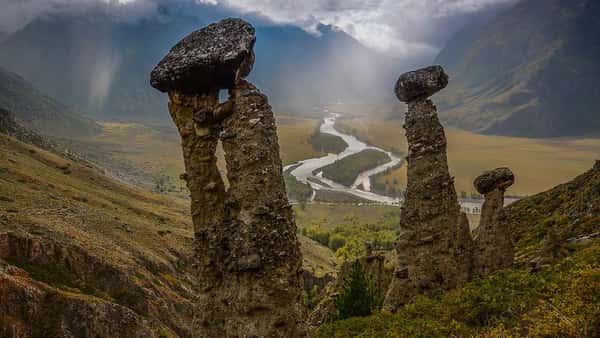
<point>199,168</point>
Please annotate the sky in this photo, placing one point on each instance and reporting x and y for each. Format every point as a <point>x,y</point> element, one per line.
<point>405,28</point>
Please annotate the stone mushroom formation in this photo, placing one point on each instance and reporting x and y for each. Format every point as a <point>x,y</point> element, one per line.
<point>247,252</point>
<point>493,242</point>
<point>434,246</point>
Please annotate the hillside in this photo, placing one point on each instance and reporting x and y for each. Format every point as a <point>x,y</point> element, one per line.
<point>39,111</point>
<point>530,72</point>
<point>552,291</point>
<point>82,253</point>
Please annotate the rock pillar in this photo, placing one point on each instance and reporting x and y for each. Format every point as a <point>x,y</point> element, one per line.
<point>493,243</point>
<point>434,246</point>
<point>248,255</point>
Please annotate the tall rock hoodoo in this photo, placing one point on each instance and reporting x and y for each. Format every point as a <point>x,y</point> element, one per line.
<point>493,243</point>
<point>434,246</point>
<point>248,255</point>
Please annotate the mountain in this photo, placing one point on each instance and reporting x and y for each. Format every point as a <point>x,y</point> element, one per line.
<point>41,112</point>
<point>101,65</point>
<point>531,71</point>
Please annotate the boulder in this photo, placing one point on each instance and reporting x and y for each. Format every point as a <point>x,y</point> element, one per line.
<point>421,83</point>
<point>499,178</point>
<point>209,58</point>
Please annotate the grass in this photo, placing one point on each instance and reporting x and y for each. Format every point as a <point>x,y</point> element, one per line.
<point>294,134</point>
<point>346,170</point>
<point>125,226</point>
<point>538,164</point>
<point>562,300</point>
<point>331,196</point>
<point>328,216</point>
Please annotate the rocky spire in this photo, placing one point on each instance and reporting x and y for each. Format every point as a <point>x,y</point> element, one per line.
<point>493,244</point>
<point>248,255</point>
<point>434,245</point>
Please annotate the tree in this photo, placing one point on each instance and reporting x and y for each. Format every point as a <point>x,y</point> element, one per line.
<point>358,296</point>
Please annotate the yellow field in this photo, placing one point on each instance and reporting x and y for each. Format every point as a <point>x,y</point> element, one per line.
<point>156,150</point>
<point>538,164</point>
<point>331,215</point>
<point>293,133</point>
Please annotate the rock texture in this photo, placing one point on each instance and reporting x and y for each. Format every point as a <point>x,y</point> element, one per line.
<point>249,262</point>
<point>211,57</point>
<point>494,248</point>
<point>434,247</point>
<point>420,84</point>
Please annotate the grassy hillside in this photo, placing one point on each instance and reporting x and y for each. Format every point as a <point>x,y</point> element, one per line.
<point>85,235</point>
<point>40,112</point>
<point>346,170</point>
<point>559,298</point>
<point>538,164</point>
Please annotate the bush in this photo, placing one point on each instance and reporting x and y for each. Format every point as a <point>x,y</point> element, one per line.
<point>358,297</point>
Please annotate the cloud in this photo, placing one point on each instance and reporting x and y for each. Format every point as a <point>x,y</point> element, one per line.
<point>400,27</point>
<point>397,26</point>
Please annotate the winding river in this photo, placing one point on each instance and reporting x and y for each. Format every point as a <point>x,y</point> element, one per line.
<point>304,169</point>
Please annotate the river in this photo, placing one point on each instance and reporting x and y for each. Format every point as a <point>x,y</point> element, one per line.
<point>304,170</point>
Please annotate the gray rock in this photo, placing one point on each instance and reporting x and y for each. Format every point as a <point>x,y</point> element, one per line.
<point>421,83</point>
<point>207,59</point>
<point>500,178</point>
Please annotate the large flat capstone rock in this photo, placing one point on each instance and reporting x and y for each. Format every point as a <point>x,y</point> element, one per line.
<point>207,59</point>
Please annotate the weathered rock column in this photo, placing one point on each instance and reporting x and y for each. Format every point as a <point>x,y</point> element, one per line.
<point>248,255</point>
<point>434,246</point>
<point>493,243</point>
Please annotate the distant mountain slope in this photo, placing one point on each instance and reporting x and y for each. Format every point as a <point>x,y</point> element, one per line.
<point>40,112</point>
<point>532,71</point>
<point>101,65</point>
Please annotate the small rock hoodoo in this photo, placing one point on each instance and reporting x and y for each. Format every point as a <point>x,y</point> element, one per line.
<point>493,243</point>
<point>434,246</point>
<point>248,255</point>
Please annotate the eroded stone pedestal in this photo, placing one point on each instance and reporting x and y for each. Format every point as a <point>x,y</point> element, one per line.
<point>248,256</point>
<point>434,246</point>
<point>493,243</point>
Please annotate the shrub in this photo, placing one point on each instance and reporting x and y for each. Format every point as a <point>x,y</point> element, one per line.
<point>358,296</point>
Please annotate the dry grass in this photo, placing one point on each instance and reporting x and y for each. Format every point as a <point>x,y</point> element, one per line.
<point>331,215</point>
<point>294,133</point>
<point>538,164</point>
<point>120,223</point>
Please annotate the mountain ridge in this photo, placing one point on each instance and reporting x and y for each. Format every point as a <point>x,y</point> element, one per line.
<point>528,72</point>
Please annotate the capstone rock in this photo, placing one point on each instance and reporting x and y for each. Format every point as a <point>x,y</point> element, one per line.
<point>211,57</point>
<point>421,83</point>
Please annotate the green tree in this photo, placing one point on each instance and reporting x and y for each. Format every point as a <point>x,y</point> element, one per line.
<point>358,297</point>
